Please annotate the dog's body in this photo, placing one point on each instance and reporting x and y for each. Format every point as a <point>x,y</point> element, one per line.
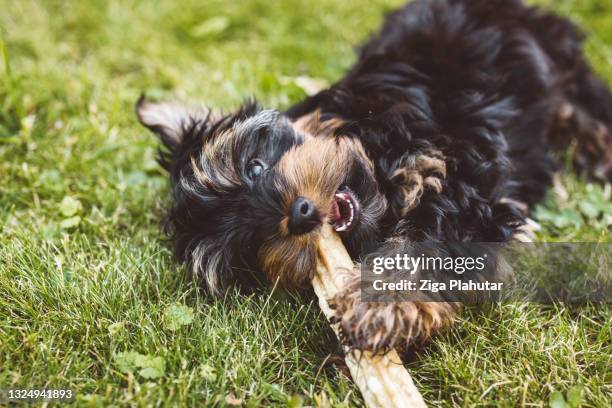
<point>444,130</point>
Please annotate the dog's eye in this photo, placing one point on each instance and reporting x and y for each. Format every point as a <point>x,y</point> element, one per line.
<point>255,168</point>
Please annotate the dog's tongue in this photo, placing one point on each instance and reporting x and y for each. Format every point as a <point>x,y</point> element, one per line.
<point>335,215</point>
<point>343,212</point>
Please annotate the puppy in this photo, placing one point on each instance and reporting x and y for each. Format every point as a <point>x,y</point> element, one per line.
<point>444,130</point>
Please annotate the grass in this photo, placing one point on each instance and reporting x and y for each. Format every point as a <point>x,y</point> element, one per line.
<point>90,298</point>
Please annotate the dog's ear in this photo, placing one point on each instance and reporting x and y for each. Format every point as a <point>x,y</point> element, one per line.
<point>212,262</point>
<point>168,119</point>
<point>219,267</point>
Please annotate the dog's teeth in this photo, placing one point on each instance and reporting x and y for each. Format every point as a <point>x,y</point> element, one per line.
<point>348,210</point>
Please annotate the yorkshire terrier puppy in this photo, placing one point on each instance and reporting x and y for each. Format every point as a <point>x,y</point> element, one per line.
<point>444,130</point>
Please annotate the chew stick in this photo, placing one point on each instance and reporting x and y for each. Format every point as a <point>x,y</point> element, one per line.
<point>382,379</point>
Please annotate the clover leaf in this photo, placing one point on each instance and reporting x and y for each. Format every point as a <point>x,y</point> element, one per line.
<point>177,315</point>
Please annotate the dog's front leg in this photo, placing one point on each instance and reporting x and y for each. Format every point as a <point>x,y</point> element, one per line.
<point>380,326</point>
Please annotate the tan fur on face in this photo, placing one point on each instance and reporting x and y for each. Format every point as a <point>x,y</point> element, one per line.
<point>290,261</point>
<point>415,174</point>
<point>312,125</point>
<point>314,170</point>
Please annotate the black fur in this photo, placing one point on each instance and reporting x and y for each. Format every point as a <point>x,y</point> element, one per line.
<point>481,80</point>
<point>444,130</point>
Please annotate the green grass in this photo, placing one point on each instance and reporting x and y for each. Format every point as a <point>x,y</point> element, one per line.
<point>81,285</point>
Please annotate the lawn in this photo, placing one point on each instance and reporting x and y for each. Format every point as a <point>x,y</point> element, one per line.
<point>90,297</point>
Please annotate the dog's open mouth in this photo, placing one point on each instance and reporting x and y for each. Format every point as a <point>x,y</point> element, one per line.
<point>345,211</point>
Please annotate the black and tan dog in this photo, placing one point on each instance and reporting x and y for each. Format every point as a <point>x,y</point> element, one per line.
<point>443,130</point>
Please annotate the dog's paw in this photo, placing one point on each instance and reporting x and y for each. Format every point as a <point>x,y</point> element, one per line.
<point>380,326</point>
<point>591,140</point>
<point>412,175</point>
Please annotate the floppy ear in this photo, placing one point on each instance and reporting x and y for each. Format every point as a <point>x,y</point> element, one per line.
<point>168,119</point>
<point>218,267</point>
<point>210,263</point>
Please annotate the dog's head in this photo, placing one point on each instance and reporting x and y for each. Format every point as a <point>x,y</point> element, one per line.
<point>251,189</point>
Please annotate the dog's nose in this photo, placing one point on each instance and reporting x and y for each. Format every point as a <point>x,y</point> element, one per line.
<point>303,216</point>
